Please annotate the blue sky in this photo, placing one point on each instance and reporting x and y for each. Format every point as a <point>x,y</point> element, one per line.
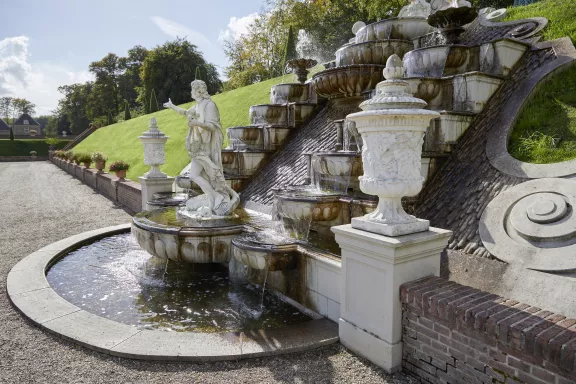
<point>47,43</point>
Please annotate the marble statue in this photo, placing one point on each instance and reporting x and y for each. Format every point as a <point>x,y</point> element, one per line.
<point>204,144</point>
<point>417,8</point>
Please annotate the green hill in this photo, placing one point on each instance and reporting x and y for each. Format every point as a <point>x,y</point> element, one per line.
<point>120,141</point>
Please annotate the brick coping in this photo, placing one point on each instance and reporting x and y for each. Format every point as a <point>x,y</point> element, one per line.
<point>30,293</point>
<point>528,333</point>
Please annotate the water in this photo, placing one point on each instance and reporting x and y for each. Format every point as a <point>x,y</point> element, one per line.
<point>116,279</point>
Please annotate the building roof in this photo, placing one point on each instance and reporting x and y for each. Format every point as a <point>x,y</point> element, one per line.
<point>24,117</point>
<point>4,126</point>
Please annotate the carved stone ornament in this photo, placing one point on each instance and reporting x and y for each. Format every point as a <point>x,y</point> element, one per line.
<point>392,125</point>
<point>533,225</point>
<point>154,141</point>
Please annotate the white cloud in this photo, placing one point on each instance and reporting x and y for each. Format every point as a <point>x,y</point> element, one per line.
<point>237,27</point>
<point>173,29</point>
<point>37,82</point>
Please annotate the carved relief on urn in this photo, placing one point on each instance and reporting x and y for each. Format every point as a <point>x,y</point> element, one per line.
<point>392,125</point>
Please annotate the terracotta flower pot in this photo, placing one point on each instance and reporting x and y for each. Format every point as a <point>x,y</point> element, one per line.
<point>87,165</point>
<point>100,165</point>
<point>121,174</point>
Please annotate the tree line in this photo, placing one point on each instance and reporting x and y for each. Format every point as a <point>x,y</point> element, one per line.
<point>136,84</point>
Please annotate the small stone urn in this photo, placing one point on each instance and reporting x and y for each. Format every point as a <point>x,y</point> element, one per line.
<point>392,125</point>
<point>154,142</point>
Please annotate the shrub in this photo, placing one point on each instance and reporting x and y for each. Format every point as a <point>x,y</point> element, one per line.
<point>119,166</point>
<point>69,155</point>
<point>52,141</point>
<point>85,158</point>
<point>99,156</point>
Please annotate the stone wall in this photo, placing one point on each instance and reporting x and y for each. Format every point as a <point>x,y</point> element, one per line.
<point>126,193</point>
<point>456,334</point>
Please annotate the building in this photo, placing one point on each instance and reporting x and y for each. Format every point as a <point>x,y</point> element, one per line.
<point>4,129</point>
<point>26,126</point>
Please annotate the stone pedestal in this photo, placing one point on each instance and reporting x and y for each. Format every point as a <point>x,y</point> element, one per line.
<point>152,185</point>
<point>373,269</point>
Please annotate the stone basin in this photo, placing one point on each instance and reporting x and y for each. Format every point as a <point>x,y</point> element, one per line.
<point>246,137</point>
<point>372,52</point>
<point>337,170</point>
<point>351,81</point>
<point>269,114</point>
<point>289,93</point>
<point>442,60</point>
<point>302,112</point>
<point>164,234</point>
<point>403,29</point>
<point>301,205</point>
<point>265,251</point>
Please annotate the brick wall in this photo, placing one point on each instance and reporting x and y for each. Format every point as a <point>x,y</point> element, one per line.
<point>130,195</point>
<point>90,177</point>
<point>106,184</point>
<point>457,334</point>
<point>79,172</point>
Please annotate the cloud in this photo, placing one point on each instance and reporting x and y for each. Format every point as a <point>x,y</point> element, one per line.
<point>174,30</point>
<point>237,27</point>
<point>37,82</point>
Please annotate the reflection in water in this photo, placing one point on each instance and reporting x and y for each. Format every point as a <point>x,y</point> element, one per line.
<point>116,279</point>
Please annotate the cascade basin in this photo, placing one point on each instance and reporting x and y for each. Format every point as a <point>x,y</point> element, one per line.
<point>289,93</point>
<point>403,29</point>
<point>166,234</point>
<point>116,279</point>
<point>351,81</point>
<point>371,52</point>
<point>337,170</point>
<point>269,114</point>
<point>450,21</point>
<point>302,112</point>
<point>246,137</point>
<point>442,60</point>
<point>265,251</point>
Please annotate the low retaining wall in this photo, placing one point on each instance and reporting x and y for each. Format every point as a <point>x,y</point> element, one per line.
<point>457,334</point>
<point>22,158</point>
<point>127,193</point>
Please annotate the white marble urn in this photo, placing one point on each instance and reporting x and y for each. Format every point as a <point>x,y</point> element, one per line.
<point>392,125</point>
<point>154,142</point>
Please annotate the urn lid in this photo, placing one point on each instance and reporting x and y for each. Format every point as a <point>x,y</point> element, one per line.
<point>393,92</point>
<point>153,131</point>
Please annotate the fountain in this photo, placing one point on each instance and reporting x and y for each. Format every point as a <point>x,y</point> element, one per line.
<point>300,68</point>
<point>450,20</point>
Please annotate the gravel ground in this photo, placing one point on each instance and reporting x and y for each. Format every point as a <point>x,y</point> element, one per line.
<point>42,204</point>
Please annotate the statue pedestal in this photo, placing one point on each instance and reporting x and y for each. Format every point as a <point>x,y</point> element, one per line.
<point>373,269</point>
<point>152,185</point>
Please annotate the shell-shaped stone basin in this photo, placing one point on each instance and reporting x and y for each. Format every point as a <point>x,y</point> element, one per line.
<point>269,114</point>
<point>247,137</point>
<point>372,52</point>
<point>265,251</point>
<point>289,93</point>
<point>347,81</point>
<point>308,207</point>
<point>442,60</point>
<point>402,29</point>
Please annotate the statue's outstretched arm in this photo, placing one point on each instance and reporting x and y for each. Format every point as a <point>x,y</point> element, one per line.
<point>175,108</point>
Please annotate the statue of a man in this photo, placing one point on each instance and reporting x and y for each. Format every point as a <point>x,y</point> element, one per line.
<point>204,144</point>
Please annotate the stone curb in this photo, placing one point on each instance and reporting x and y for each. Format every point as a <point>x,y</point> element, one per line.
<point>29,291</point>
<point>497,138</point>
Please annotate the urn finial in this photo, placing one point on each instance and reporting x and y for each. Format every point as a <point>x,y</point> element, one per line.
<point>394,69</point>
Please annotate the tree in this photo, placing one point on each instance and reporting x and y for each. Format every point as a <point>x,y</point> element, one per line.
<point>290,50</point>
<point>6,108</point>
<point>170,68</point>
<point>153,103</point>
<point>127,111</point>
<point>198,76</point>
<point>107,72</point>
<point>110,118</point>
<point>80,105</point>
<point>11,134</point>
<point>23,106</point>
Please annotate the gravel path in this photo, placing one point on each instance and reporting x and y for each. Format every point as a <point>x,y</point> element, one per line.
<point>41,204</point>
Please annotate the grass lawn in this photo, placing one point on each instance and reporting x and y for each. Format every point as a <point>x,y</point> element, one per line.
<point>546,130</point>
<point>22,147</point>
<point>120,141</point>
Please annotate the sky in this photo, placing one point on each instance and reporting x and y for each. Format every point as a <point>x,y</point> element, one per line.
<point>48,43</point>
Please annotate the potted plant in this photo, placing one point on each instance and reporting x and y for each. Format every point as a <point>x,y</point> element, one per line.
<point>99,160</point>
<point>33,132</point>
<point>85,159</point>
<point>33,154</point>
<point>69,156</point>
<point>76,158</point>
<point>120,167</point>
